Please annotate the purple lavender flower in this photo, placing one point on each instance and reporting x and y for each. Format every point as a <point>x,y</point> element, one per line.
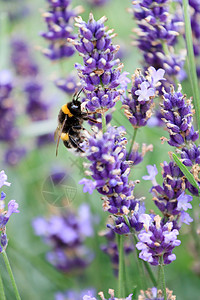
<point>21,58</point>
<point>14,155</point>
<point>195,4</point>
<point>135,217</point>
<point>59,19</point>
<point>73,294</point>
<point>155,294</point>
<point>158,240</point>
<point>8,130</point>
<point>112,296</point>
<point>139,104</point>
<point>178,117</point>
<point>152,170</point>
<point>97,2</point>
<point>68,85</point>
<point>3,179</point>
<point>157,35</point>
<point>174,185</point>
<point>37,108</point>
<point>100,73</point>
<point>66,234</point>
<point>109,169</point>
<point>135,157</point>
<point>5,215</point>
<point>89,185</point>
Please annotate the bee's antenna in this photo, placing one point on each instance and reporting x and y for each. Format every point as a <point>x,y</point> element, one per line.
<point>77,94</point>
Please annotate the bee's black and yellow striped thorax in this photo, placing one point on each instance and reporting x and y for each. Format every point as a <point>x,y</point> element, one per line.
<point>66,110</point>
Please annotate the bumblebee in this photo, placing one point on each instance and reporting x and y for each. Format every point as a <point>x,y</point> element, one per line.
<point>70,120</point>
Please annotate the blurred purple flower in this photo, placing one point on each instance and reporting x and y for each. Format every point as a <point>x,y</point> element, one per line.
<point>66,234</point>
<point>89,185</point>
<point>152,170</point>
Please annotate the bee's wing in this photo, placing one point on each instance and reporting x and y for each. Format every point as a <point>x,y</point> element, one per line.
<point>58,133</point>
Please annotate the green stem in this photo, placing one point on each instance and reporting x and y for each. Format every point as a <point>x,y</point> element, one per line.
<point>4,47</point>
<point>103,118</point>
<point>142,281</point>
<point>133,140</point>
<point>192,65</point>
<point>162,277</point>
<point>121,279</point>
<point>146,264</point>
<point>2,293</point>
<point>8,267</point>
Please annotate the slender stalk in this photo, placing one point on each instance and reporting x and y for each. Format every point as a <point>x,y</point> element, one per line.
<point>146,264</point>
<point>103,118</point>
<point>4,48</point>
<point>162,277</point>
<point>121,279</point>
<point>2,293</point>
<point>133,140</point>
<point>191,58</point>
<point>8,267</point>
<point>142,281</point>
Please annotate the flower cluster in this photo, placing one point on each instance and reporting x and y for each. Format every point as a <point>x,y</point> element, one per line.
<point>133,221</point>
<point>21,59</point>
<point>109,169</point>
<point>157,35</point>
<point>139,103</point>
<point>155,294</point>
<point>5,215</point>
<point>66,234</point>
<point>37,109</point>
<point>101,71</point>
<point>97,2</point>
<point>135,156</point>
<point>170,198</point>
<point>68,85</point>
<point>110,292</point>
<point>59,19</point>
<point>9,132</point>
<point>157,241</point>
<point>73,294</point>
<point>195,15</point>
<point>178,117</point>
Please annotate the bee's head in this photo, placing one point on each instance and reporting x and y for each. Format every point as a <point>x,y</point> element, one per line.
<point>75,107</point>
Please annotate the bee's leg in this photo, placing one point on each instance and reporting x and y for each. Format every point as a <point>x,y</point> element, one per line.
<point>86,118</point>
<point>74,143</point>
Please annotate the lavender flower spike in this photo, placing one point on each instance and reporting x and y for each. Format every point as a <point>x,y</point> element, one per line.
<point>59,19</point>
<point>5,215</point>
<point>178,117</point>
<point>139,103</point>
<point>156,241</point>
<point>100,71</point>
<point>109,169</point>
<point>155,294</point>
<point>112,296</point>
